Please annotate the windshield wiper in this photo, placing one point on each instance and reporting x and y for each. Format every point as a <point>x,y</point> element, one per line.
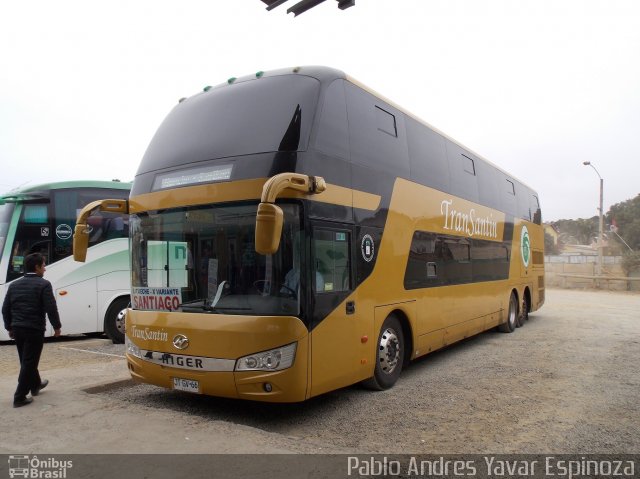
<point>192,304</point>
<point>211,306</point>
<point>231,308</point>
<point>192,301</point>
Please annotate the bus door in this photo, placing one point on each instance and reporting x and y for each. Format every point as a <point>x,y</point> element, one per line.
<point>32,236</point>
<point>335,325</point>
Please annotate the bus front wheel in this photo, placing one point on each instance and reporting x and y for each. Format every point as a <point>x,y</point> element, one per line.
<point>114,320</point>
<point>510,324</point>
<point>389,355</point>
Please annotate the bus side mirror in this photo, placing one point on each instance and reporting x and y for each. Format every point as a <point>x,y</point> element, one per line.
<point>80,242</point>
<point>81,232</point>
<point>269,219</point>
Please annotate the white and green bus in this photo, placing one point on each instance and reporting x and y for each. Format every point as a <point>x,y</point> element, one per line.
<point>91,295</point>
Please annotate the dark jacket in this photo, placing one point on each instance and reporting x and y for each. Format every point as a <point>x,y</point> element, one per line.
<point>27,301</point>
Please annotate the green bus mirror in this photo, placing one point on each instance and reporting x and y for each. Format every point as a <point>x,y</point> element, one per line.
<point>269,219</point>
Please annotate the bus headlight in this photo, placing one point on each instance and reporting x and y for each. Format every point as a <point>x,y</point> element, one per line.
<point>132,348</point>
<point>272,360</point>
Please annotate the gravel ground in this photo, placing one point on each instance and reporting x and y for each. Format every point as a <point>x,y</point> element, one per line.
<point>63,352</point>
<point>567,382</point>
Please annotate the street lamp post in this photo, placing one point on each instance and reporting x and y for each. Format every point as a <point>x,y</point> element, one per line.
<point>601,225</point>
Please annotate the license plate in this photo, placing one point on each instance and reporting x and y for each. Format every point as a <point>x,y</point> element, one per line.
<point>189,385</point>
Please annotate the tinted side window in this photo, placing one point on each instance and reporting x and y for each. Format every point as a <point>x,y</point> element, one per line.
<point>386,122</point>
<point>333,132</point>
<point>457,256</point>
<point>438,260</point>
<point>425,265</point>
<point>488,187</point>
<point>428,156</point>
<point>537,212</point>
<point>332,261</point>
<point>490,260</point>
<point>523,199</point>
<point>468,165</point>
<point>508,195</point>
<point>371,125</point>
<point>463,183</point>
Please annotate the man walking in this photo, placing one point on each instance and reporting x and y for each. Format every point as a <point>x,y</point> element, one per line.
<point>23,311</point>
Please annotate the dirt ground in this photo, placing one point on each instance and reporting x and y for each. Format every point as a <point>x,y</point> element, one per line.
<point>566,382</point>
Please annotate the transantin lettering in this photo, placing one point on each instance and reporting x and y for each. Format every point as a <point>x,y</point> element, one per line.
<point>149,334</point>
<point>469,222</point>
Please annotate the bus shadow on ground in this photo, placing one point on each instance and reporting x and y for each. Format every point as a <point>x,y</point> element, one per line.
<point>283,417</point>
<point>274,417</point>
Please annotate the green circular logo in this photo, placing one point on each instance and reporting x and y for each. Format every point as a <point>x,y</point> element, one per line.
<point>525,246</point>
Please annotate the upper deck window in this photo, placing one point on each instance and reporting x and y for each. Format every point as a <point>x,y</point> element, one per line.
<point>386,122</point>
<point>537,214</point>
<point>468,165</point>
<point>377,137</point>
<point>257,116</point>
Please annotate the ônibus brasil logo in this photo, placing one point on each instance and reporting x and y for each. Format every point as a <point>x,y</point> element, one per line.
<point>525,246</point>
<point>27,466</point>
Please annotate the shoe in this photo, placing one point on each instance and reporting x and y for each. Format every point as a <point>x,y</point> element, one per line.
<point>22,402</point>
<point>43,384</point>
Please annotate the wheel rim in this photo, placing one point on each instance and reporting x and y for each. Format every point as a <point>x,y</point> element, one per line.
<point>120,320</point>
<point>388,351</point>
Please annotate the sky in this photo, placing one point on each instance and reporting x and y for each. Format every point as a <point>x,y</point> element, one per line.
<point>536,87</point>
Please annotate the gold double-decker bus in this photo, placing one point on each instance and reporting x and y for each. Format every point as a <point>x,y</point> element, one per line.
<point>292,233</point>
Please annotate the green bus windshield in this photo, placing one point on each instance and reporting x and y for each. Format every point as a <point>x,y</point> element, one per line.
<point>6,211</point>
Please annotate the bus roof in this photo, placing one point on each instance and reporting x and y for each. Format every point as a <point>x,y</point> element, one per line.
<point>326,75</point>
<point>26,191</point>
<point>319,72</point>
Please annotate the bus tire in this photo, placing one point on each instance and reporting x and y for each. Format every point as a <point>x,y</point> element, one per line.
<point>510,324</point>
<point>114,320</point>
<point>524,311</point>
<point>389,356</point>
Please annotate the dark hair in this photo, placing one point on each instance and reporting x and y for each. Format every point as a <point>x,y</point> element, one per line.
<point>31,261</point>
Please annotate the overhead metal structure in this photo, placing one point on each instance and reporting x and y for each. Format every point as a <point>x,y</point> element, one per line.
<point>304,5</point>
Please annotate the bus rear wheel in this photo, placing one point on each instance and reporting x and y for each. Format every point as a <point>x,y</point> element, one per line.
<point>389,356</point>
<point>114,320</point>
<point>510,324</point>
<point>524,312</point>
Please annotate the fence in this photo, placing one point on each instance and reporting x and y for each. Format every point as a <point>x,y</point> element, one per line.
<point>579,272</point>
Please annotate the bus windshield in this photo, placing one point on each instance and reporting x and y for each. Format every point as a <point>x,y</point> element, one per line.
<point>6,211</point>
<point>204,259</point>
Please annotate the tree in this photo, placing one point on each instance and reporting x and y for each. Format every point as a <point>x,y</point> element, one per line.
<point>550,247</point>
<point>580,231</point>
<point>625,216</point>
